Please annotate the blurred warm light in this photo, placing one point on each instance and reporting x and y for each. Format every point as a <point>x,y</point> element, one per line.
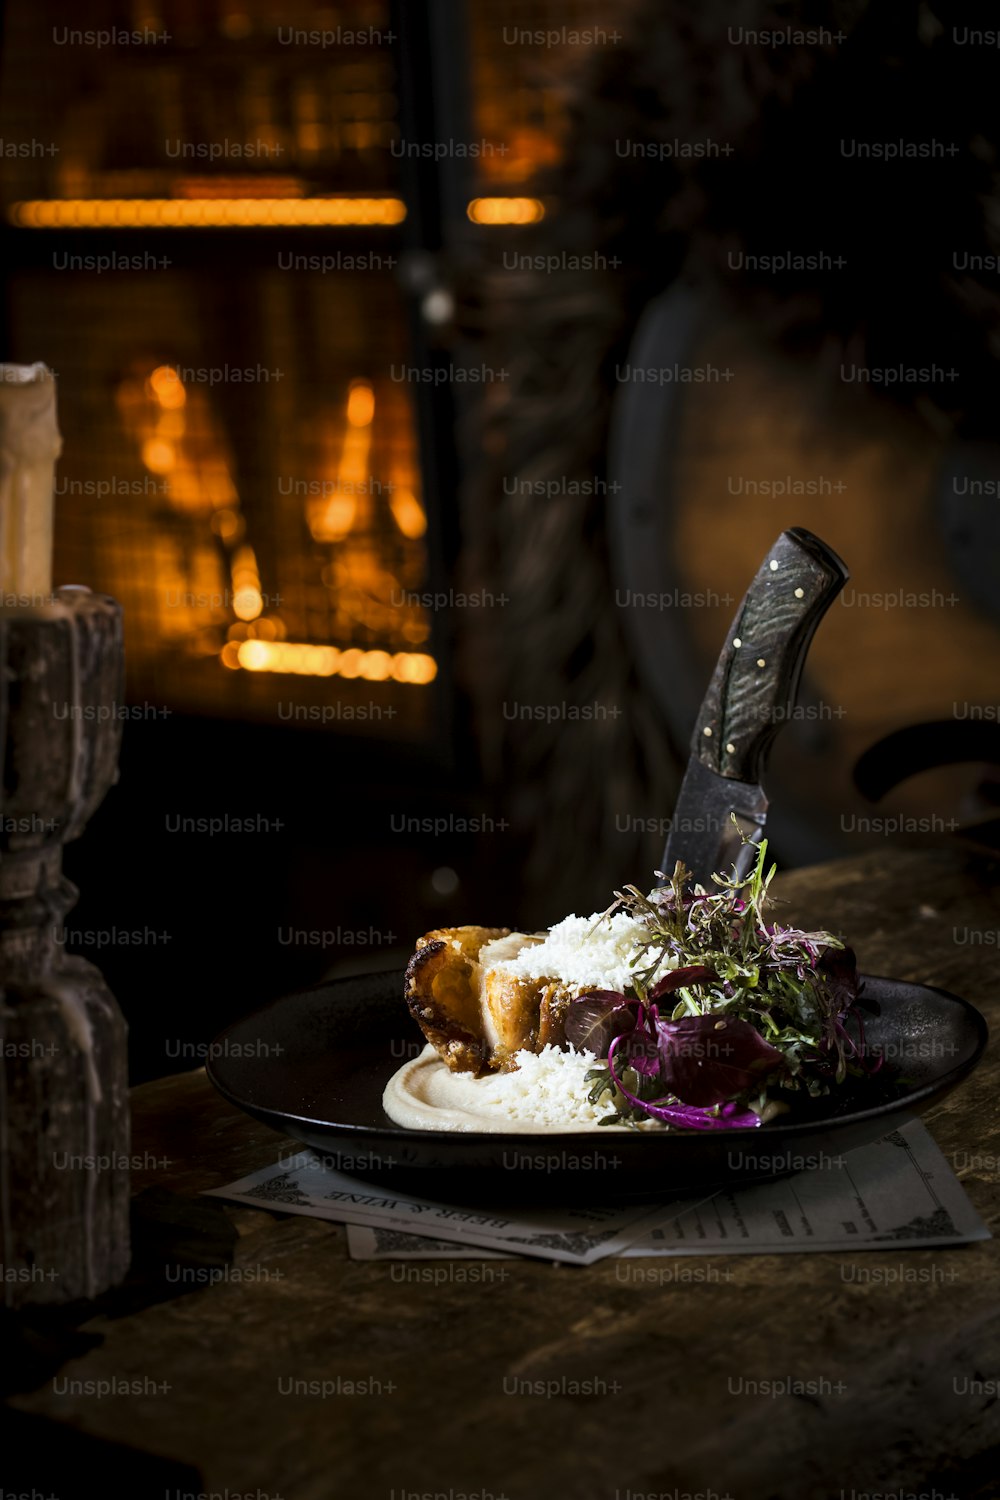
<point>371,559</point>
<point>415,631</point>
<point>328,661</point>
<point>506,210</point>
<point>247,599</point>
<point>413,667</point>
<point>360,404</point>
<point>167,387</point>
<point>353,470</point>
<point>172,424</point>
<point>247,604</point>
<point>408,513</point>
<point>227,524</point>
<point>159,456</point>
<point>330,520</point>
<point>350,662</point>
<point>376,666</point>
<point>203,213</point>
<point>335,520</point>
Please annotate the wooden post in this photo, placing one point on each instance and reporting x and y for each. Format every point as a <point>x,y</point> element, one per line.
<point>64,1123</point>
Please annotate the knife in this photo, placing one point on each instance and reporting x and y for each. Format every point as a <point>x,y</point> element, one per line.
<point>750,696</point>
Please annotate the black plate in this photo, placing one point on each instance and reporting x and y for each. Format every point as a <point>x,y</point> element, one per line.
<point>314,1065</point>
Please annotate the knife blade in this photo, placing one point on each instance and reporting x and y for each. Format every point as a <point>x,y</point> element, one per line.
<point>751,694</point>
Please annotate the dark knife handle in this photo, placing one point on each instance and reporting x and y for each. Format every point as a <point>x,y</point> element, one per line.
<point>753,688</point>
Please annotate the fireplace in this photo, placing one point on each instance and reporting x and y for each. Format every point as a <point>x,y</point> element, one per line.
<point>218,233</point>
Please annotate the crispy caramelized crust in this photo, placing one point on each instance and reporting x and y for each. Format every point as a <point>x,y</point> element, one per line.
<point>443,991</point>
<point>471,940</point>
<point>477,1018</point>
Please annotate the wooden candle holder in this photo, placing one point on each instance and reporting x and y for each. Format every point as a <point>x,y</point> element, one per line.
<point>64,1120</point>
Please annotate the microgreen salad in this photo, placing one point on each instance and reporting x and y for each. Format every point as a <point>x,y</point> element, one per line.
<point>748,1008</point>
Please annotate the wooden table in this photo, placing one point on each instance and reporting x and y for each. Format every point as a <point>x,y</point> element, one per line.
<point>227,1303</point>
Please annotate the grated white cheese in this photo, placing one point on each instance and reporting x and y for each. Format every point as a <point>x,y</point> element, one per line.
<point>547,1088</point>
<point>581,951</point>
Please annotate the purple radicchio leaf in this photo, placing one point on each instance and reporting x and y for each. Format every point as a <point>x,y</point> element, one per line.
<point>727,1117</point>
<point>679,978</point>
<point>637,1049</point>
<point>709,1059</point>
<point>595,1019</point>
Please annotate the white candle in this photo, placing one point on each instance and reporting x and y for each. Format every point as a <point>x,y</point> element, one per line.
<point>29,446</point>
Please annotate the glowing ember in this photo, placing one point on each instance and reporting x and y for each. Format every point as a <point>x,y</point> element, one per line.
<point>327,661</point>
<point>506,210</point>
<point>203,213</point>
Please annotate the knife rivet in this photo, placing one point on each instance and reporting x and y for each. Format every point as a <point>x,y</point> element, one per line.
<point>737,642</point>
<point>800,593</point>
<point>761,662</point>
<point>730,749</point>
<point>774,566</point>
<point>707,732</point>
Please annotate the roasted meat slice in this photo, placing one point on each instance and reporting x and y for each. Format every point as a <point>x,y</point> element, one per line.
<point>510,1014</point>
<point>477,1017</point>
<point>443,991</point>
<point>553,1009</point>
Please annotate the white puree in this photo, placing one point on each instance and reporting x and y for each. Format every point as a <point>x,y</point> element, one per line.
<point>546,1095</point>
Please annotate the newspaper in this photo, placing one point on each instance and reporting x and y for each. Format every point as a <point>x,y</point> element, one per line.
<point>897,1193</point>
<point>578,1234</point>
